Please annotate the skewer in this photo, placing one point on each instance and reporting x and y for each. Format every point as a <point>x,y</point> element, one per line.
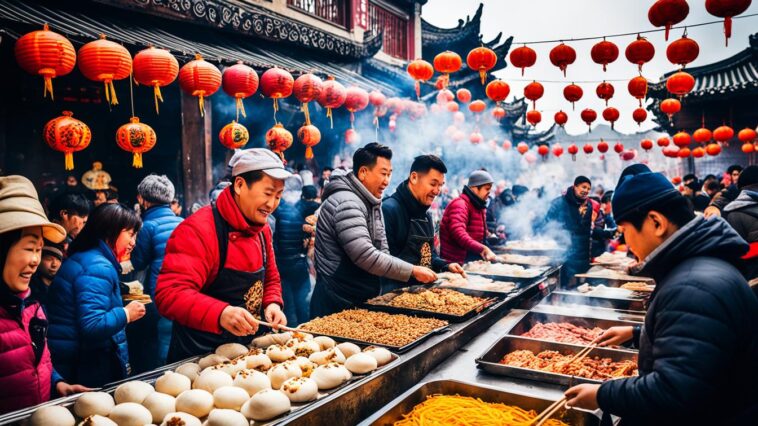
<point>549,411</point>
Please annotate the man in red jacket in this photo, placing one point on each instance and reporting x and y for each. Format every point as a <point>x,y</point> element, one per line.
<point>464,226</point>
<point>219,275</point>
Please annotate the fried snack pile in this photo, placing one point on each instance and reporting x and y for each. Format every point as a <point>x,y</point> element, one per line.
<point>564,332</point>
<point>439,300</point>
<point>594,368</point>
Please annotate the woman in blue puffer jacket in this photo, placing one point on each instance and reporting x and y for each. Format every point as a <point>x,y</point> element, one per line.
<point>87,317</point>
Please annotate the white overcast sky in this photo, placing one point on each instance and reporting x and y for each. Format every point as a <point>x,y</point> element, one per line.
<point>534,20</point>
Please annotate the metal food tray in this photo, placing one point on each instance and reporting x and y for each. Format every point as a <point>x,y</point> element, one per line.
<point>396,349</point>
<point>528,321</point>
<point>562,297</point>
<point>540,271</point>
<point>490,299</point>
<point>490,360</point>
<point>418,394</point>
<point>525,262</point>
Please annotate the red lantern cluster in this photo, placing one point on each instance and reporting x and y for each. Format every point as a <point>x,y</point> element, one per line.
<point>45,53</point>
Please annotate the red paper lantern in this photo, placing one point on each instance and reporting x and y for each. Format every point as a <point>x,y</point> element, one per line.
<point>588,148</point>
<point>155,68</point>
<point>463,95</point>
<point>306,88</point>
<point>497,90</point>
<point>276,84</point>
<point>684,152</point>
<point>534,91</point>
<point>481,59</point>
<point>476,138</point>
<point>45,53</point>
<point>618,148</point>
<point>522,148</point>
<point>667,13</point>
<point>671,152</point>
<point>726,9</point>
<point>356,100</point>
<point>67,135</point>
<point>507,144</point>
<point>610,115</point>
<point>543,150</point>
<point>629,155</point>
<point>459,117</point>
<point>572,93</point>
<point>602,146</point>
<point>702,135</point>
<point>676,180</point>
<point>646,144</point>
<point>557,150</point>
<point>561,118</point>
<point>747,135</point>
<point>562,56</point>
<point>452,106</point>
<point>588,116</point>
<point>533,117</point>
<point>604,52</point>
<point>639,115</point>
<point>670,107</point>
<point>663,141</point>
<point>309,135</point>
<point>723,134</point>
<point>682,139</point>
<point>137,138</point>
<point>682,51</point>
<point>605,91</point>
<point>747,148</point>
<point>332,96</point>
<point>638,88</point>
<point>640,52</point>
<point>106,61</point>
<point>234,135</point>
<point>523,57</point>
<point>698,152</point>
<point>680,83</point>
<point>420,70</point>
<point>498,113</point>
<point>376,99</point>
<point>446,63</point>
<point>713,149</point>
<point>352,137</point>
<point>200,78</point>
<point>444,96</point>
<point>240,81</point>
<point>279,139</point>
<point>478,106</point>
<point>573,150</point>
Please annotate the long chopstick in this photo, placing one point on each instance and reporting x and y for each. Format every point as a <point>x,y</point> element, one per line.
<point>548,412</point>
<point>283,327</point>
<point>582,354</point>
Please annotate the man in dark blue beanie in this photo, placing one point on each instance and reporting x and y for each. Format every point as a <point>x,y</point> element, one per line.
<point>698,346</point>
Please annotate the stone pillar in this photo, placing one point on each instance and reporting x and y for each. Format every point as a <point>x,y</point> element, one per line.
<point>197,162</point>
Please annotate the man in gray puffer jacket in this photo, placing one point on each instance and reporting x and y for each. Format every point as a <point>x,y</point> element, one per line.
<point>351,246</point>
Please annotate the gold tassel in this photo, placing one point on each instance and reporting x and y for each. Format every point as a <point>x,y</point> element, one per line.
<point>329,114</point>
<point>107,92</point>
<point>48,87</point>
<point>307,113</point>
<point>483,75</point>
<point>308,153</point>
<point>352,120</point>
<point>114,99</point>
<point>137,160</point>
<point>241,107</point>
<point>69,160</point>
<point>418,90</point>
<point>157,96</point>
<point>201,104</point>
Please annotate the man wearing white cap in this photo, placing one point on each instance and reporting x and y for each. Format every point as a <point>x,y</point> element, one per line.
<point>219,276</point>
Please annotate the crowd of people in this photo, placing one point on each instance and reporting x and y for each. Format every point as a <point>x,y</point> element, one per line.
<point>276,246</point>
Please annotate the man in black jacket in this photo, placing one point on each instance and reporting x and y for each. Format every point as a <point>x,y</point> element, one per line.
<point>727,195</point>
<point>742,214</point>
<point>698,344</point>
<point>408,223</point>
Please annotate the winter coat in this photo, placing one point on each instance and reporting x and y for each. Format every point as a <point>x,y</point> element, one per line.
<point>564,210</point>
<point>23,383</point>
<point>289,236</point>
<point>725,196</point>
<point>351,246</point>
<point>742,214</point>
<point>158,222</point>
<point>87,318</point>
<point>463,228</point>
<point>698,344</point>
<point>192,262</point>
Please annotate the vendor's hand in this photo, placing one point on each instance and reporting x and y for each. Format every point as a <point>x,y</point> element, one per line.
<point>582,396</point>
<point>274,315</point>
<point>424,275</point>
<point>64,389</point>
<point>136,310</point>
<point>456,269</point>
<point>488,255</point>
<point>711,211</point>
<point>615,336</point>
<point>238,321</point>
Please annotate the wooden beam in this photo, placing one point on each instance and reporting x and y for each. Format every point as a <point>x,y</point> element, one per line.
<point>196,151</point>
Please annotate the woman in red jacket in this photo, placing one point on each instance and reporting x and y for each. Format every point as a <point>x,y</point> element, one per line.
<point>219,275</point>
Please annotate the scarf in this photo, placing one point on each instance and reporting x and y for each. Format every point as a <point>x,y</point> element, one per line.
<point>478,203</point>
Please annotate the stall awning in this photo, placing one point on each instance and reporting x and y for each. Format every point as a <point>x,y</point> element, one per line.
<point>184,40</point>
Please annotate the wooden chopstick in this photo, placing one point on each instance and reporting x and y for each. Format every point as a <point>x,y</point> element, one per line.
<point>549,411</point>
<point>283,327</point>
<point>582,354</point>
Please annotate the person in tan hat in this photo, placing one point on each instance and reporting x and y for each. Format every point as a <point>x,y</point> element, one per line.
<point>28,375</point>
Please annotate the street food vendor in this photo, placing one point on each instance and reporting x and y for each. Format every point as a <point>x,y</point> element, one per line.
<point>408,222</point>
<point>698,346</point>
<point>219,275</point>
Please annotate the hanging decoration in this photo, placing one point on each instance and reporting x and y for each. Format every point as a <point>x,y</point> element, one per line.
<point>240,81</point>
<point>447,63</point>
<point>557,150</point>
<point>639,115</point>
<point>199,78</point>
<point>356,100</point>
<point>47,54</point>
<point>276,84</point>
<point>602,146</point>
<point>682,139</point>
<point>713,149</point>
<point>332,95</point>
<point>459,117</point>
<point>234,135</point>
<point>306,89</point>
<point>481,59</point>
<point>522,148</point>
<point>588,116</point>
<point>748,148</point>
<point>105,61</point>
<point>618,148</point>
<point>279,140</point>
<point>309,135</point>
<point>67,135</point>
<point>573,150</point>
<point>680,83</point>
<point>463,96</point>
<point>723,134</point>
<point>377,100</point>
<point>588,148</point>
<point>534,91</point>
<point>507,145</point>
<point>670,107</point>
<point>561,118</point>
<point>498,113</point>
<point>727,9</point>
<point>698,152</point>
<point>640,52</point>
<point>421,71</point>
<point>702,135</point>
<point>747,136</point>
<point>604,53</point>
<point>610,115</point>
<point>543,150</point>
<point>562,56</point>
<point>452,106</point>
<point>475,138</point>
<point>638,88</point>
<point>646,144</point>
<point>663,141</point>
<point>477,107</point>
<point>682,51</point>
<point>497,91</point>
<point>670,152</point>
<point>444,96</point>
<point>155,68</point>
<point>533,117</point>
<point>573,94</point>
<point>523,57</point>
<point>684,152</point>
<point>667,13</point>
<point>137,138</point>
<point>605,91</point>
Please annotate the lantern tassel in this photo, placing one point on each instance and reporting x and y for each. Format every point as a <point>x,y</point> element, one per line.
<point>666,37</point>
<point>307,113</point>
<point>352,120</point>
<point>107,93</point>
<point>329,114</point>
<point>109,86</point>
<point>137,160</point>
<point>728,28</point>
<point>69,160</point>
<point>48,87</point>
<point>241,107</point>
<point>418,90</point>
<point>157,96</point>
<point>276,109</point>
<point>483,75</point>
<point>201,104</point>
<point>308,153</point>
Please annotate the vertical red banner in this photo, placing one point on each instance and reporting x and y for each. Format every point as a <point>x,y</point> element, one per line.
<point>360,13</point>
